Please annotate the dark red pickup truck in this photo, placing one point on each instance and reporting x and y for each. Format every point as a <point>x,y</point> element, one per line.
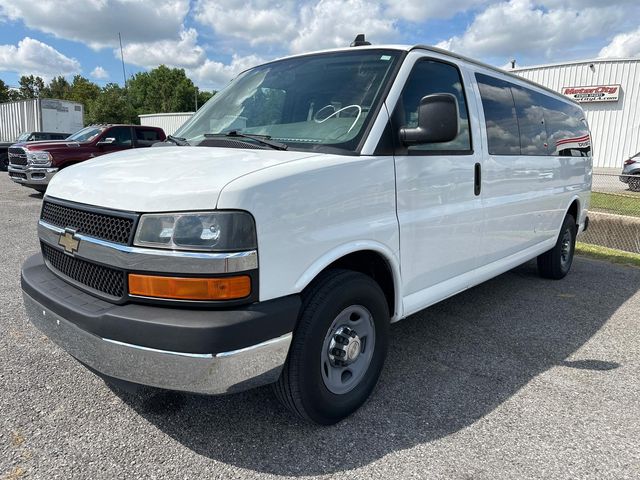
<point>32,164</point>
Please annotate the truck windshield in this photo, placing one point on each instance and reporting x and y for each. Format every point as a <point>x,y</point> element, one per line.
<point>85,135</point>
<point>314,102</point>
<point>24,137</point>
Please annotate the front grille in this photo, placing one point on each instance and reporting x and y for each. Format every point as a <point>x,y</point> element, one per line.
<point>18,175</point>
<point>103,279</point>
<point>17,156</point>
<point>99,225</point>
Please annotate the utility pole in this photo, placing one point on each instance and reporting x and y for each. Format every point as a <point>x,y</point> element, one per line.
<point>196,100</point>
<point>124,75</point>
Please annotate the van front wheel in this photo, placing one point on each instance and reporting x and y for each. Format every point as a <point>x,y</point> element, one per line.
<point>338,348</point>
<point>556,263</point>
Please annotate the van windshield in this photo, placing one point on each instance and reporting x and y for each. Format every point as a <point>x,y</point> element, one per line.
<point>314,102</point>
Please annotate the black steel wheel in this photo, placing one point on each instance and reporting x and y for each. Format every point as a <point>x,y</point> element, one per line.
<point>556,263</point>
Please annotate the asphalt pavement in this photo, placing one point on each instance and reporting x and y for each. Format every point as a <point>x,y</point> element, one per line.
<point>517,378</point>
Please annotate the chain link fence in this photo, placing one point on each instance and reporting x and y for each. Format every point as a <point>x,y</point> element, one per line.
<point>614,213</point>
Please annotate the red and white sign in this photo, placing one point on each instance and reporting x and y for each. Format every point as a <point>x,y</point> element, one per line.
<point>573,143</point>
<point>597,93</point>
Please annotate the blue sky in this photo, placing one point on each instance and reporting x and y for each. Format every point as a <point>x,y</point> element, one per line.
<point>215,39</point>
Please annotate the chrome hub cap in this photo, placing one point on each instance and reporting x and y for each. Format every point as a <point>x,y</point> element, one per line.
<point>347,349</point>
<point>344,347</point>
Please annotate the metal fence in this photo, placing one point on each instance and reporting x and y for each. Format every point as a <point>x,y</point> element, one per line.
<point>614,213</point>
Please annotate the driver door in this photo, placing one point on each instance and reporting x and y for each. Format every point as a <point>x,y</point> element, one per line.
<point>438,201</point>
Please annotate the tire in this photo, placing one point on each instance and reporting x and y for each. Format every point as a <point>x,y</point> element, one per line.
<point>556,263</point>
<point>4,162</point>
<point>40,189</point>
<point>634,184</point>
<point>315,384</point>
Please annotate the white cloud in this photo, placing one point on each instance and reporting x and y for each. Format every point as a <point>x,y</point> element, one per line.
<point>623,45</point>
<point>214,75</point>
<point>522,28</point>
<point>34,57</point>
<point>254,21</point>
<point>415,11</point>
<point>335,23</point>
<point>97,22</point>
<point>99,73</point>
<point>184,53</point>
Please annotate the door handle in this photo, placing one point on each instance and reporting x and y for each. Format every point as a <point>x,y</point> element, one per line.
<point>477,179</point>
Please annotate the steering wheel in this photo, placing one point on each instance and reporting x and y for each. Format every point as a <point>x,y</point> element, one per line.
<point>336,112</point>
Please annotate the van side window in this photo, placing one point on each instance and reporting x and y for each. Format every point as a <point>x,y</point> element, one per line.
<point>500,115</point>
<point>568,132</point>
<point>531,120</point>
<point>426,78</point>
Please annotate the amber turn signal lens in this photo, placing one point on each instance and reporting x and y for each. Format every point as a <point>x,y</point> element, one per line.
<point>182,288</point>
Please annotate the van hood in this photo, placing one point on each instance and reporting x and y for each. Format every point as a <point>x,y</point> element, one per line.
<point>162,179</point>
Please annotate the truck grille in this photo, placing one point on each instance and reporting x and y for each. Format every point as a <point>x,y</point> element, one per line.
<point>17,156</point>
<point>99,225</point>
<point>97,277</point>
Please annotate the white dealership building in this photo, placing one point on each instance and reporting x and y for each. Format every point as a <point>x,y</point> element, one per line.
<point>609,92</point>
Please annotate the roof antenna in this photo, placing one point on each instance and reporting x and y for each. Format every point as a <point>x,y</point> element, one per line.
<point>359,41</point>
<point>513,64</point>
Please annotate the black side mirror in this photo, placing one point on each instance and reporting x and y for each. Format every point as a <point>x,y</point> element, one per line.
<point>437,121</point>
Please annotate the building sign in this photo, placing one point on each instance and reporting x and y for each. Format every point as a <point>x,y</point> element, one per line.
<point>597,93</point>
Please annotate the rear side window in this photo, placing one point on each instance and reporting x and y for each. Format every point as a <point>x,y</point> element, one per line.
<point>522,121</point>
<point>145,137</point>
<point>531,120</point>
<point>429,77</point>
<point>500,115</point>
<point>567,129</point>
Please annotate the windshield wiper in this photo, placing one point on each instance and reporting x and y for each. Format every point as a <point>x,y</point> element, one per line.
<point>179,141</point>
<point>263,139</point>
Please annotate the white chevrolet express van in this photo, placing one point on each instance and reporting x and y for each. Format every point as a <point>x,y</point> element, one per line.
<point>309,204</point>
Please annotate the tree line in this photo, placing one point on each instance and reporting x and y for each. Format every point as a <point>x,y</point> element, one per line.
<point>160,90</point>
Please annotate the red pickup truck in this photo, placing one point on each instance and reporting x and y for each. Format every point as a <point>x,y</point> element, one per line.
<point>32,164</point>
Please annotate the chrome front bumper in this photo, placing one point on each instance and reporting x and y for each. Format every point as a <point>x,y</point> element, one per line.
<point>215,373</point>
<point>31,175</point>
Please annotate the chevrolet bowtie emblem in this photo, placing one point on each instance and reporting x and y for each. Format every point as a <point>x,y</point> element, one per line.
<point>68,241</point>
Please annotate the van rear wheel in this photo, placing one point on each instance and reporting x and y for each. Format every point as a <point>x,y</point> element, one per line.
<point>338,348</point>
<point>556,263</point>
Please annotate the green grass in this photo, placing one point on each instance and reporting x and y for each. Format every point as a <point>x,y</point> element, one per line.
<point>608,254</point>
<point>619,204</point>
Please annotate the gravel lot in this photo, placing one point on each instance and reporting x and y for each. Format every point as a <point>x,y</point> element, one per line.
<point>517,378</point>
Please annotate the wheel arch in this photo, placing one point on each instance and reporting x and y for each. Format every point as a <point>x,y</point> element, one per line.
<point>371,258</point>
<point>574,209</point>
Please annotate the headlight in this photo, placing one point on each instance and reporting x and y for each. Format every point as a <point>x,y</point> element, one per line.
<point>207,231</point>
<point>39,158</point>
